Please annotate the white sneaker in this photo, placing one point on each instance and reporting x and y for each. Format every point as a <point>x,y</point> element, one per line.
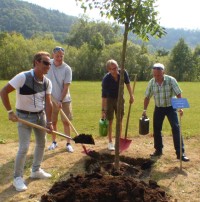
<point>19,185</point>
<point>69,148</point>
<point>111,146</point>
<point>40,174</point>
<point>53,146</point>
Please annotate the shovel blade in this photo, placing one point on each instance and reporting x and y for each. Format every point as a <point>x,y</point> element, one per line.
<point>84,139</point>
<point>124,144</point>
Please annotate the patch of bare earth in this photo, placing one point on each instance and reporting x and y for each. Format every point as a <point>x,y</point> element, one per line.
<point>179,184</point>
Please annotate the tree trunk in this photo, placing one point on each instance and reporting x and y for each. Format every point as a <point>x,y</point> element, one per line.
<point>120,98</point>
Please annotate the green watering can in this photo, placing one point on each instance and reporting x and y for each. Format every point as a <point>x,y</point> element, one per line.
<point>103,127</point>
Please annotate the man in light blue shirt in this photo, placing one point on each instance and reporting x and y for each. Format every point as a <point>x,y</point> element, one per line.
<point>60,75</point>
<point>164,87</point>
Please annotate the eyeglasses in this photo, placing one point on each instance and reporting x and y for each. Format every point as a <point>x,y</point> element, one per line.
<point>58,49</point>
<point>113,69</point>
<point>45,63</point>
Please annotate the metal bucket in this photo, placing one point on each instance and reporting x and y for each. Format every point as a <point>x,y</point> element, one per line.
<point>144,125</point>
<point>103,127</point>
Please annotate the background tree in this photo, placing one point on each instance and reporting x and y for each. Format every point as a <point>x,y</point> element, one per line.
<point>136,16</point>
<point>85,29</point>
<point>162,52</point>
<point>16,55</point>
<point>11,55</point>
<point>181,64</point>
<point>17,52</point>
<point>137,61</point>
<point>196,59</point>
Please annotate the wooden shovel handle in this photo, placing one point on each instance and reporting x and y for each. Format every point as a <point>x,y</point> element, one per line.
<point>127,121</point>
<point>129,109</point>
<point>65,117</point>
<point>70,123</point>
<point>42,128</point>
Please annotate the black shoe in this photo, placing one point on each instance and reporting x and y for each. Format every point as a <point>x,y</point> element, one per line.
<point>156,153</point>
<point>184,158</point>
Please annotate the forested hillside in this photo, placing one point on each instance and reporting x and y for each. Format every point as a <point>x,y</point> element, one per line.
<point>167,42</point>
<point>89,44</point>
<point>30,20</point>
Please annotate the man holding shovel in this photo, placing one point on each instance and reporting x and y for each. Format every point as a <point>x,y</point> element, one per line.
<point>110,87</point>
<point>164,87</point>
<point>60,75</point>
<point>33,93</point>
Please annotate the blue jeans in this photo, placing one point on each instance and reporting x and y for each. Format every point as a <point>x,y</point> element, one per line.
<point>158,118</point>
<point>24,134</point>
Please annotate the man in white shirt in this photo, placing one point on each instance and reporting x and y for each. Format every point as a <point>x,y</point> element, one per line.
<point>33,104</point>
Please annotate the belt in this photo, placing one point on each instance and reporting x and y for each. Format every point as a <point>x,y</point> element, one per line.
<point>27,112</point>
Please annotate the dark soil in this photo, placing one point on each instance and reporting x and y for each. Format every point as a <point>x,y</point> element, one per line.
<point>103,183</point>
<point>84,139</point>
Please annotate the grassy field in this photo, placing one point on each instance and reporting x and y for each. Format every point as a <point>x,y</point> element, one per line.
<point>183,185</point>
<point>86,102</point>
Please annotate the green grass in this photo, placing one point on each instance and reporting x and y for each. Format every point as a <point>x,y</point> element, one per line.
<point>86,103</point>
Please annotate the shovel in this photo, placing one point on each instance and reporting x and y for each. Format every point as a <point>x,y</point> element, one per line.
<point>86,139</point>
<point>124,143</point>
<point>71,125</point>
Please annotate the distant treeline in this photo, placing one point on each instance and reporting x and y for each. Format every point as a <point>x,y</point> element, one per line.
<point>31,20</point>
<point>88,52</point>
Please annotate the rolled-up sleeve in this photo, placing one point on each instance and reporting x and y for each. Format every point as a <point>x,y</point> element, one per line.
<point>175,86</point>
<point>126,77</point>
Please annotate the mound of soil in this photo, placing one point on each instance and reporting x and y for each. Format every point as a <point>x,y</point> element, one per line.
<point>102,183</point>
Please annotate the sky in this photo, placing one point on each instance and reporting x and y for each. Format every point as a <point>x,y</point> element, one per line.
<point>172,13</point>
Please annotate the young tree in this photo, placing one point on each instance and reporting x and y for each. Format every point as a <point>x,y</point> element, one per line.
<point>138,16</point>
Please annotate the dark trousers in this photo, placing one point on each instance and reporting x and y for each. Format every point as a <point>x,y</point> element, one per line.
<point>158,118</point>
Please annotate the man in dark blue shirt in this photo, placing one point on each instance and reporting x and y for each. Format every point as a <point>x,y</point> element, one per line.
<point>110,87</point>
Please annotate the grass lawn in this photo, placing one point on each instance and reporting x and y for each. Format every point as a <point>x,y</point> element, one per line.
<point>86,97</point>
<point>86,103</point>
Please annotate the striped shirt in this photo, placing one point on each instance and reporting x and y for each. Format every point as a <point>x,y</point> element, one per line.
<point>30,93</point>
<point>164,92</point>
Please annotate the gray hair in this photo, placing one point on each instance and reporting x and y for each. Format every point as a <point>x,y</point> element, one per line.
<point>110,62</point>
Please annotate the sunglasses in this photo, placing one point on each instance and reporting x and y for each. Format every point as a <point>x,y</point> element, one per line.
<point>58,49</point>
<point>45,63</point>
